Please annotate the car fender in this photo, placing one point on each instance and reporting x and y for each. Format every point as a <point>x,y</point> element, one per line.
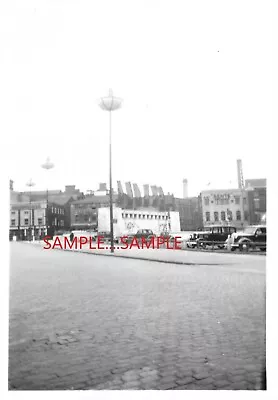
<point>244,240</point>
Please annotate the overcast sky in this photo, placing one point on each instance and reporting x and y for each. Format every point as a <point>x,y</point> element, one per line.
<point>194,76</point>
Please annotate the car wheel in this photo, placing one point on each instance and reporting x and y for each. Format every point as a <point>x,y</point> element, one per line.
<point>244,246</point>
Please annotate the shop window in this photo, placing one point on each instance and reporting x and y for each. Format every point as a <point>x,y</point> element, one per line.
<point>257,204</point>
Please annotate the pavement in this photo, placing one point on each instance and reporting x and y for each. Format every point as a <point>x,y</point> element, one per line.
<point>83,322</point>
<point>184,257</point>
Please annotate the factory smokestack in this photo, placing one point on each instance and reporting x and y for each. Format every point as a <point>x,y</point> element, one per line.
<point>240,174</point>
<point>185,188</point>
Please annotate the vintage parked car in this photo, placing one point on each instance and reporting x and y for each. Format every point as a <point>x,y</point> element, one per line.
<point>141,233</point>
<point>215,235</point>
<point>251,238</point>
<point>193,240</point>
<point>144,233</point>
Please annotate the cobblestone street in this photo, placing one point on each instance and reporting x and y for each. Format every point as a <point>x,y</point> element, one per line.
<point>80,321</point>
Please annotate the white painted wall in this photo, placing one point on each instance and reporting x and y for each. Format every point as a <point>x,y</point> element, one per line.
<point>130,221</point>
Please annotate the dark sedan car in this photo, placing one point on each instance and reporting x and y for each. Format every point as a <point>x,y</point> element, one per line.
<point>216,235</point>
<point>251,238</point>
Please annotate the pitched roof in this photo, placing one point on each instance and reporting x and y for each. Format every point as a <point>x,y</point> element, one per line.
<point>60,199</point>
<point>95,200</point>
<point>255,183</point>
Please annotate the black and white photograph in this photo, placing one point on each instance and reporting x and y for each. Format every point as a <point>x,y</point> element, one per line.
<point>138,166</point>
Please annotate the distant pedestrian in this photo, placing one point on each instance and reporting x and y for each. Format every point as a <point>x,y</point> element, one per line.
<point>71,236</point>
<point>229,242</point>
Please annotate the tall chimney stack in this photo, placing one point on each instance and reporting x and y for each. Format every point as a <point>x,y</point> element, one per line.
<point>185,188</point>
<point>240,179</point>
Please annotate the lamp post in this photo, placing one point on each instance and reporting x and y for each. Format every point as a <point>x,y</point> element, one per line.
<point>110,104</point>
<point>30,184</point>
<point>47,165</point>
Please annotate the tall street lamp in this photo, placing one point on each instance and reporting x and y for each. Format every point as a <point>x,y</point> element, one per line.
<point>30,184</point>
<point>47,165</point>
<point>110,104</point>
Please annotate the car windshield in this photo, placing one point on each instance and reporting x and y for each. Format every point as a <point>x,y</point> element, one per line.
<point>250,231</point>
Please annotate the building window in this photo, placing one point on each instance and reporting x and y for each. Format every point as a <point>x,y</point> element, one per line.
<point>126,215</point>
<point>206,200</point>
<point>135,215</point>
<point>207,216</point>
<point>76,218</point>
<point>26,212</point>
<point>123,215</point>
<point>13,212</point>
<point>237,200</point>
<point>257,204</point>
<point>244,200</point>
<point>223,216</point>
<point>216,216</point>
<point>13,222</point>
<point>246,215</point>
<point>238,215</point>
<point>130,215</point>
<point>55,210</point>
<point>62,222</point>
<point>26,221</point>
<point>39,221</point>
<point>52,210</point>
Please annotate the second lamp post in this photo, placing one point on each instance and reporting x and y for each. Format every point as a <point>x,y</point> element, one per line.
<point>47,166</point>
<point>110,103</point>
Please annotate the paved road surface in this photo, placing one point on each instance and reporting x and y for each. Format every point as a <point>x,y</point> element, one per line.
<point>79,321</point>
